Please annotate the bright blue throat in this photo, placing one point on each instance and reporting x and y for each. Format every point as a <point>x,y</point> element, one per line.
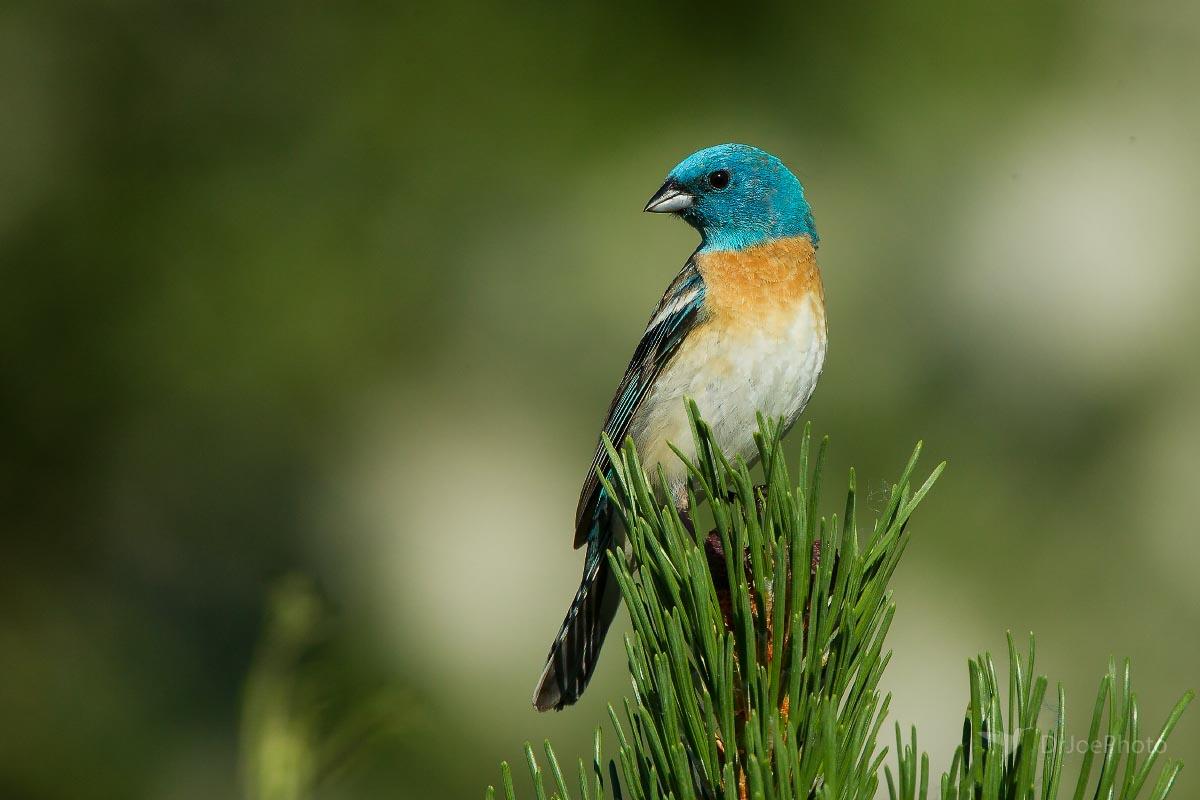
<point>739,237</point>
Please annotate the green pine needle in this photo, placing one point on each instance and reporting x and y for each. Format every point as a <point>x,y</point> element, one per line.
<point>757,651</point>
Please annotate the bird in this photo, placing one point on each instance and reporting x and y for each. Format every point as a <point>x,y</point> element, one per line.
<point>741,330</point>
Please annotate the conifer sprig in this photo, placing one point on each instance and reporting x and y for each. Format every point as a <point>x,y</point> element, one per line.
<point>757,651</point>
<point>995,763</point>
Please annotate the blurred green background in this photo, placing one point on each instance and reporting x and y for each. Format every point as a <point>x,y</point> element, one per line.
<point>342,290</point>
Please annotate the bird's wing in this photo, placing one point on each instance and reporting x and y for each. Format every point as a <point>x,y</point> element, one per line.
<point>677,313</point>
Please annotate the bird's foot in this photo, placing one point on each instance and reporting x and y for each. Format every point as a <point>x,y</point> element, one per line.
<point>760,496</point>
<point>685,516</point>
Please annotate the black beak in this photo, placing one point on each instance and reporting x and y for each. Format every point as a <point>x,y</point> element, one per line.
<point>669,198</point>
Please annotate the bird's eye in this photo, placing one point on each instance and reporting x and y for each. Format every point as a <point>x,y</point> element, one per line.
<point>719,179</point>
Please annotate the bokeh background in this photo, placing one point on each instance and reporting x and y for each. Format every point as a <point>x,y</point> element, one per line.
<point>340,292</point>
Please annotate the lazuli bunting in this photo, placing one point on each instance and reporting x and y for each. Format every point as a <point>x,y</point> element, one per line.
<point>741,330</point>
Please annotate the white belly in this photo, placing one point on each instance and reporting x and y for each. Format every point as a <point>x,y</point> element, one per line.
<point>771,369</point>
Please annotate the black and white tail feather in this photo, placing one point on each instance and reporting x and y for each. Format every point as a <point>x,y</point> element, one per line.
<point>572,658</point>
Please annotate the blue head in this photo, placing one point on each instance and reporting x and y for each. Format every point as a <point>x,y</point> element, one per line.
<point>737,196</point>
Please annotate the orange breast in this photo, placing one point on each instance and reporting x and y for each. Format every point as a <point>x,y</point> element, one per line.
<point>761,284</point>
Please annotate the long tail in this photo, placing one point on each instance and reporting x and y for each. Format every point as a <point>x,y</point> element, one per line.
<point>572,658</point>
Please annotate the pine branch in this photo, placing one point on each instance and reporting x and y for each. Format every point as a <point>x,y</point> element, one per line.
<point>757,651</point>
<point>993,765</point>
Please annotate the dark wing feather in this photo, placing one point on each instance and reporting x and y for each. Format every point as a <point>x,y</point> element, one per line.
<point>677,313</point>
